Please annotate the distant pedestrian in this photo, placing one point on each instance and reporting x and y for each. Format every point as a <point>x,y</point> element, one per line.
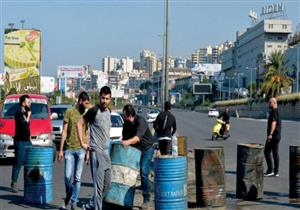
<point>165,128</point>
<point>99,120</point>
<point>137,133</point>
<point>21,139</point>
<point>75,150</point>
<point>273,139</point>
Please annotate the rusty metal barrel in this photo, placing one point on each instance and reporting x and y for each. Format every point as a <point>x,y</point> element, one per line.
<point>250,171</point>
<point>210,177</point>
<point>182,145</point>
<point>294,191</point>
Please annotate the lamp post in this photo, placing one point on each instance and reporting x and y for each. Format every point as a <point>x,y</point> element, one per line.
<point>238,75</point>
<point>251,79</point>
<point>229,78</point>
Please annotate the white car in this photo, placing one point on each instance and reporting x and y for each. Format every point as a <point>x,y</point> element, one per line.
<point>116,126</point>
<point>213,113</point>
<point>151,116</point>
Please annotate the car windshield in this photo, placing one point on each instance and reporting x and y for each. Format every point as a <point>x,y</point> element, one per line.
<point>116,121</point>
<point>154,112</point>
<point>59,111</point>
<point>38,110</point>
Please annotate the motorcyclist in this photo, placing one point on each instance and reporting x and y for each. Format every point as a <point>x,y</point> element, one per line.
<point>225,118</point>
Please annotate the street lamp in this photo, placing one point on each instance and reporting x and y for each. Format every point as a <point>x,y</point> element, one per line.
<point>239,84</point>
<point>248,68</point>
<point>229,78</point>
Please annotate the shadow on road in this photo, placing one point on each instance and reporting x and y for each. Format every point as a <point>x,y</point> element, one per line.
<point>87,184</point>
<point>277,194</point>
<point>18,201</point>
<point>230,172</point>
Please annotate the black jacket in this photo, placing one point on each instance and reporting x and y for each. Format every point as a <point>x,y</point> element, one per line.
<point>22,131</point>
<point>165,124</point>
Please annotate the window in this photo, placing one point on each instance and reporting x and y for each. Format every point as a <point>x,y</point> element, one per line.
<point>279,46</point>
<point>269,45</point>
<point>270,26</point>
<point>279,38</point>
<point>284,26</point>
<point>269,37</point>
<point>39,111</point>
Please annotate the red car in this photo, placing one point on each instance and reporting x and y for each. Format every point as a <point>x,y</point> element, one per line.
<point>40,123</point>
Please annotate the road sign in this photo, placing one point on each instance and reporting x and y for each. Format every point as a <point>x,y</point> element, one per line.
<point>202,88</point>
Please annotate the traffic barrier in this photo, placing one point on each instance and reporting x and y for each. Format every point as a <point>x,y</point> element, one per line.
<point>294,177</point>
<point>170,183</point>
<point>210,177</point>
<point>38,167</point>
<point>250,171</point>
<point>182,145</point>
<point>124,171</point>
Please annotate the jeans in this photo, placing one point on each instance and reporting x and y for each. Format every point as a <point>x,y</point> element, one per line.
<point>19,158</point>
<point>74,160</point>
<point>272,146</point>
<point>146,159</point>
<point>101,175</point>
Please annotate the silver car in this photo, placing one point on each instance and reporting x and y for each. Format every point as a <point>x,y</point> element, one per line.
<point>57,114</point>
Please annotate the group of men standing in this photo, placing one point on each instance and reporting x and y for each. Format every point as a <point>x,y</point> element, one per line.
<point>87,135</point>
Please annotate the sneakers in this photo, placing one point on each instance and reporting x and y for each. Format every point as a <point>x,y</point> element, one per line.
<point>13,188</point>
<point>146,206</point>
<point>87,207</point>
<point>268,174</point>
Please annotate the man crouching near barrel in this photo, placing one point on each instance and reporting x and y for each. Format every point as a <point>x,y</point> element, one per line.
<point>137,133</point>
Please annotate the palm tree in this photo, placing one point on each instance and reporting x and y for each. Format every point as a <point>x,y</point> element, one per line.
<point>276,76</point>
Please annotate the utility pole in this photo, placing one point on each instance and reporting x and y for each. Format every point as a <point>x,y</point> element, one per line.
<point>298,70</point>
<point>165,73</point>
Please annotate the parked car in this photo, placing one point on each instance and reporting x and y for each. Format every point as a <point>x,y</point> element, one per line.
<point>116,126</point>
<point>59,110</point>
<point>57,113</point>
<point>40,124</point>
<point>151,116</point>
<point>212,112</point>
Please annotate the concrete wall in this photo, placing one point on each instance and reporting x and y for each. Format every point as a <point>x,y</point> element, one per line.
<point>259,110</point>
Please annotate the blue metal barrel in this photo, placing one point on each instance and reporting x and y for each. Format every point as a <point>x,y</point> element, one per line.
<point>38,169</point>
<point>170,183</point>
<point>125,169</point>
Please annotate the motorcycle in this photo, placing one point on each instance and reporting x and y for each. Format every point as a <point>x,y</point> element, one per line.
<point>218,130</point>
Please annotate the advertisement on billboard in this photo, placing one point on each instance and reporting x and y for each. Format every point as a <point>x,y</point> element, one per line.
<point>22,60</point>
<point>72,71</point>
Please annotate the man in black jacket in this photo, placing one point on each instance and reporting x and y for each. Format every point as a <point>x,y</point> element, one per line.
<point>165,128</point>
<point>273,139</point>
<point>21,139</point>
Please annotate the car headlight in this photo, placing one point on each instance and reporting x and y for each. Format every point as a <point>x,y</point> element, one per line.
<point>6,137</point>
<point>45,136</point>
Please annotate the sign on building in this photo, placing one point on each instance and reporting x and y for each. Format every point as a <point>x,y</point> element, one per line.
<point>202,88</point>
<point>22,60</point>
<point>72,71</point>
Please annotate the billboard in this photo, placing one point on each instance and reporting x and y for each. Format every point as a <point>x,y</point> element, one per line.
<point>22,60</point>
<point>201,89</point>
<point>47,84</point>
<point>72,71</point>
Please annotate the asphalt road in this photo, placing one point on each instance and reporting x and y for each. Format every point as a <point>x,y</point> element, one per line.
<point>197,127</point>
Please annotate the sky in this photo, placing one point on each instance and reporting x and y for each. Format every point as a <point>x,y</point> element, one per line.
<point>83,32</point>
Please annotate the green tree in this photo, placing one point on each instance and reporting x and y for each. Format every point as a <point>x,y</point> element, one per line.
<point>275,76</point>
